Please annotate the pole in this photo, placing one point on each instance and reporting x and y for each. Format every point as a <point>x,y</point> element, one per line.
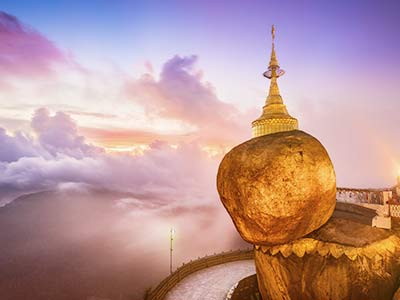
<point>171,238</point>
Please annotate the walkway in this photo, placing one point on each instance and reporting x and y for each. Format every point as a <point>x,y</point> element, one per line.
<point>212,283</point>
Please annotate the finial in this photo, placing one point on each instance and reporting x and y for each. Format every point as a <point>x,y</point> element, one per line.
<point>273,34</point>
<point>273,68</point>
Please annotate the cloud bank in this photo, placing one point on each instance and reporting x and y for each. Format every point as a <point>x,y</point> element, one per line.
<point>58,154</point>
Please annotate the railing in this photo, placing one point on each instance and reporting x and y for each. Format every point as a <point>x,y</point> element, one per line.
<point>372,198</point>
<point>159,292</point>
<point>395,211</point>
<point>247,288</point>
<point>371,190</point>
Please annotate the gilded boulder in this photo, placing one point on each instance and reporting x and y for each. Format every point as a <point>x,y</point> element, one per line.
<point>277,187</point>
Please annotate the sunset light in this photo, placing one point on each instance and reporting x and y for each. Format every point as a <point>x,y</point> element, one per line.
<point>229,150</point>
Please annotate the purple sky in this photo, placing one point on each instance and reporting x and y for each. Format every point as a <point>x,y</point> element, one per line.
<point>138,101</point>
<point>141,90</point>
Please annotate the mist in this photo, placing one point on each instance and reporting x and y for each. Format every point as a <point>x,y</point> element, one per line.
<point>77,243</point>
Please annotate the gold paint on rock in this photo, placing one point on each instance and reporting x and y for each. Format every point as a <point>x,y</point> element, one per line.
<point>333,270</point>
<point>277,187</point>
<point>311,246</point>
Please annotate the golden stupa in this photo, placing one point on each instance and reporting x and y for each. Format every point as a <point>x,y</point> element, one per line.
<point>275,117</point>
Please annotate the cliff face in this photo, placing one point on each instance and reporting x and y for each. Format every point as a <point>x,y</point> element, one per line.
<point>343,260</point>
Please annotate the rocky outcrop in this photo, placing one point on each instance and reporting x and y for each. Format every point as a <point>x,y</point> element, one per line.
<point>343,260</point>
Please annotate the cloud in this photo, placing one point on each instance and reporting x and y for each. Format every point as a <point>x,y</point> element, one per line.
<point>103,235</point>
<point>24,51</point>
<point>17,146</point>
<point>173,165</point>
<point>60,155</point>
<point>127,138</point>
<point>181,94</point>
<point>119,112</point>
<point>161,173</point>
<point>59,134</point>
<point>179,105</point>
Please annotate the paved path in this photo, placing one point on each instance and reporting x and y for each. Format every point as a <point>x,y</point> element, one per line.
<point>212,283</point>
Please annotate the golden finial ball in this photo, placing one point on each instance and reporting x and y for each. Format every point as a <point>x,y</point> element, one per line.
<point>277,187</point>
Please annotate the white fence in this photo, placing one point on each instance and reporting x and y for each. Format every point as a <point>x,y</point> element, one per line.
<point>395,211</point>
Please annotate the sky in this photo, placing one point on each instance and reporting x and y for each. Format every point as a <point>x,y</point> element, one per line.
<point>147,96</point>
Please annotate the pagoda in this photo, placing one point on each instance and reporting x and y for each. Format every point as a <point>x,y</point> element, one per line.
<point>275,117</point>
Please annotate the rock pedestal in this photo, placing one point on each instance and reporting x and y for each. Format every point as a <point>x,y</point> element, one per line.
<point>343,260</point>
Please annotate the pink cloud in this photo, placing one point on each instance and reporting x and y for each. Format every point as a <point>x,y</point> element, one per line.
<point>59,134</point>
<point>181,94</point>
<point>126,137</point>
<point>149,67</point>
<point>24,51</point>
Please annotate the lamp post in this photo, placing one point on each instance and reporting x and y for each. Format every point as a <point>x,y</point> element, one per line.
<point>398,180</point>
<point>398,187</point>
<point>171,239</point>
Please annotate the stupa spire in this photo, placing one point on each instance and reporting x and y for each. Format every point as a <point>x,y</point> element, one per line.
<point>275,117</point>
<point>273,61</point>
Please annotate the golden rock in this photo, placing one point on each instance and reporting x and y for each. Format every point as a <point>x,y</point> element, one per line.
<point>277,187</point>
